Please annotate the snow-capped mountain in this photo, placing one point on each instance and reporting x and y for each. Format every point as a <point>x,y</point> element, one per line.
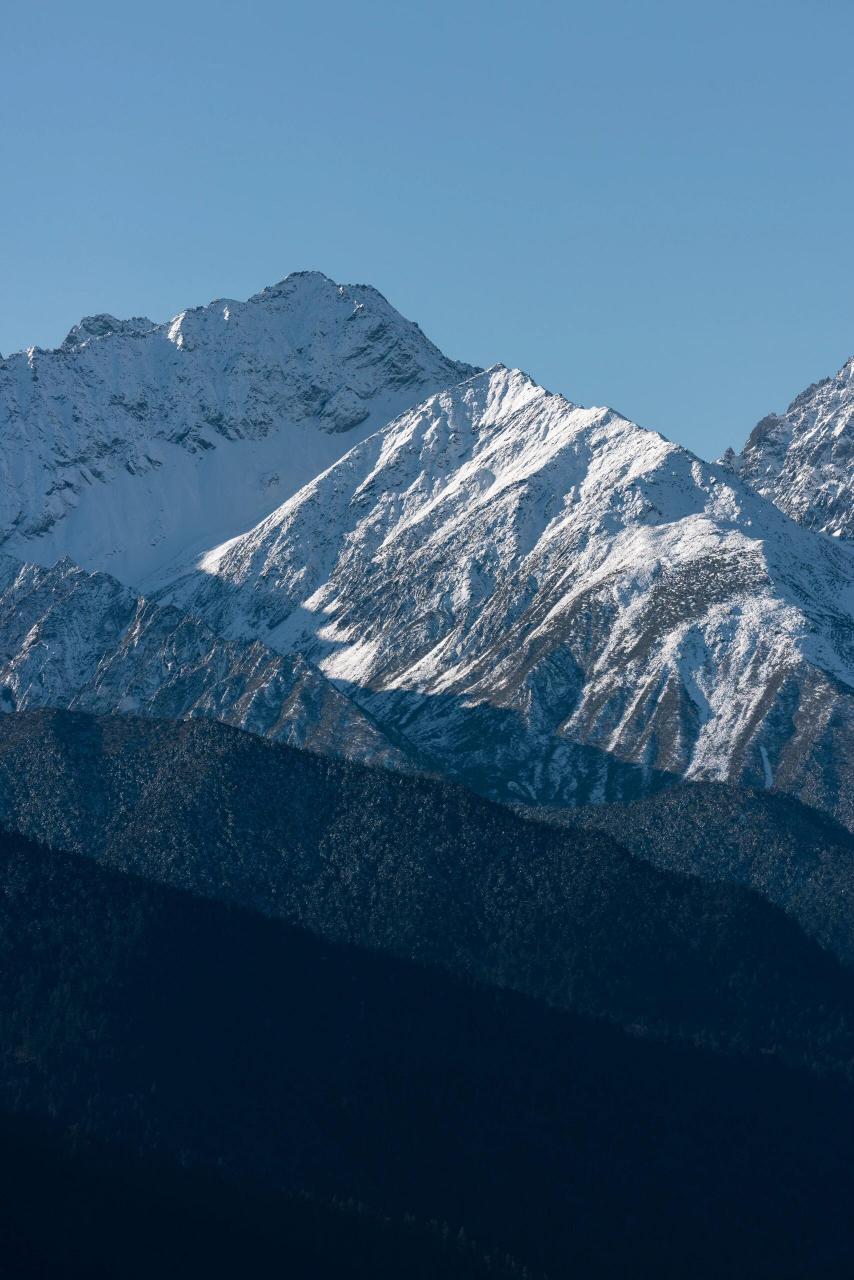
<point>85,642</point>
<point>554,604</point>
<point>803,460</point>
<point>135,442</point>
<point>545,601</point>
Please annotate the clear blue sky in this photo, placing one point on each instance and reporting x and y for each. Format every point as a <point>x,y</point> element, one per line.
<point>649,205</point>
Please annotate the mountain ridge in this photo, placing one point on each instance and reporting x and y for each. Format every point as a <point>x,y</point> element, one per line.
<point>803,459</point>
<point>427,871</point>
<point>129,444</point>
<point>78,640</point>
<point>547,602</point>
<point>501,546</point>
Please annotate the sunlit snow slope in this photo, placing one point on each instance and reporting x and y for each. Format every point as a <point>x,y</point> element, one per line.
<point>545,601</point>
<point>555,604</point>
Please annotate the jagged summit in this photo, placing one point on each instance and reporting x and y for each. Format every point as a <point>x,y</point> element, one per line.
<point>316,283</point>
<point>297,279</point>
<point>803,459</point>
<point>102,326</point>
<point>134,444</point>
<point>299,288</point>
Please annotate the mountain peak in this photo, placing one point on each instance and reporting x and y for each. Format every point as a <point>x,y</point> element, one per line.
<point>137,442</point>
<point>104,325</point>
<point>313,288</point>
<point>304,282</point>
<point>506,579</point>
<point>803,459</point>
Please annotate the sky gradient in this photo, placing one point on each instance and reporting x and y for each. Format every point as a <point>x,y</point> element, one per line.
<point>644,205</point>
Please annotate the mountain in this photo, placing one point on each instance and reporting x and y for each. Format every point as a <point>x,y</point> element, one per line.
<point>796,857</point>
<point>554,605</point>
<point>180,1031</point>
<point>135,442</point>
<point>545,602</point>
<point>428,872</point>
<point>83,640</point>
<point>803,459</point>
<point>80,1208</point>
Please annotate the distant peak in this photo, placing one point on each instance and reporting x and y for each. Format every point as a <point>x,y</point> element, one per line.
<point>66,565</point>
<point>499,372</point>
<point>310,286</point>
<point>101,325</point>
<point>296,282</point>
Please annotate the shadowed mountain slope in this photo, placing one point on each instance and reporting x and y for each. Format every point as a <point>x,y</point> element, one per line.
<point>803,459</point>
<point>180,1027</point>
<point>796,857</point>
<point>82,640</point>
<point>426,870</point>
<point>80,1209</point>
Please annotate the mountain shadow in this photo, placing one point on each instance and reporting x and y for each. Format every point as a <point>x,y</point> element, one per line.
<point>797,857</point>
<point>502,754</point>
<point>430,872</point>
<point>82,1209</point>
<point>182,1030</point>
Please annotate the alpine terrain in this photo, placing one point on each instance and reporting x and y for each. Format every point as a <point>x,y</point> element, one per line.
<point>803,460</point>
<point>555,605</point>
<point>83,640</point>
<point>548,603</point>
<point>426,815</point>
<point>135,441</point>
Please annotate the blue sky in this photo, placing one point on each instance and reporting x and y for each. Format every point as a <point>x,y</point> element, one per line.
<point>642,204</point>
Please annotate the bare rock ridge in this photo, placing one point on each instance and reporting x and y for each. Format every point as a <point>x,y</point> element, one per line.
<point>76,640</point>
<point>803,459</point>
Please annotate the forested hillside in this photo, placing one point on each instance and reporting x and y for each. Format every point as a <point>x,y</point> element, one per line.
<point>214,1038</point>
<point>431,872</point>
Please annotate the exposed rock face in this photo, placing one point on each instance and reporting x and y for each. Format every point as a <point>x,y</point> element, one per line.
<point>555,605</point>
<point>544,601</point>
<point>79,640</point>
<point>803,460</point>
<point>135,442</point>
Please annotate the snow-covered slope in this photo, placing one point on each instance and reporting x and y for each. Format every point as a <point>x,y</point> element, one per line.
<point>555,604</point>
<point>803,460</point>
<point>83,641</point>
<point>134,443</point>
<point>545,601</point>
